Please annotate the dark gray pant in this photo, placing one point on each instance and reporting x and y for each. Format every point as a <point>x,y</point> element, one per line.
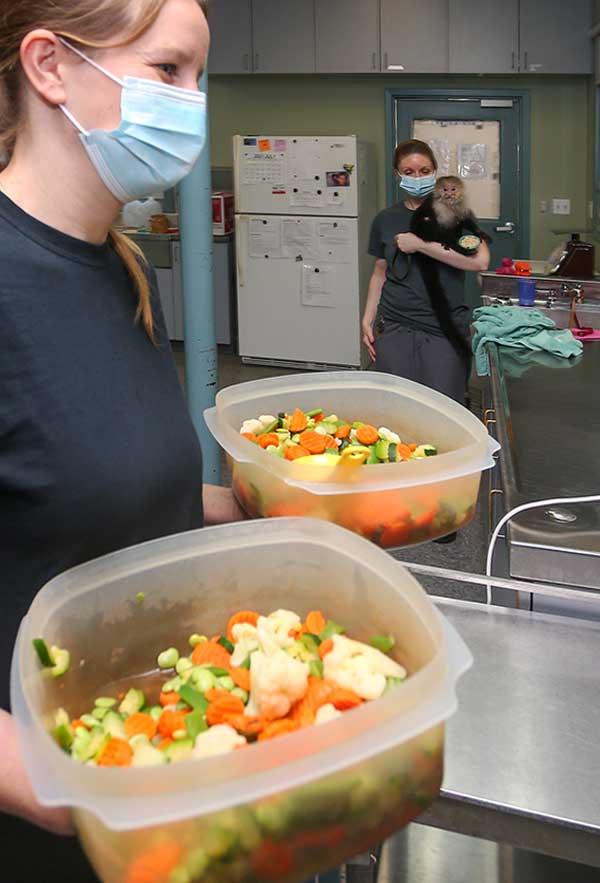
<point>425,358</point>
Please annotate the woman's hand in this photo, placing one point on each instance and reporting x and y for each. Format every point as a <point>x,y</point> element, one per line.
<point>369,337</point>
<point>408,243</point>
<point>220,506</point>
<point>16,794</point>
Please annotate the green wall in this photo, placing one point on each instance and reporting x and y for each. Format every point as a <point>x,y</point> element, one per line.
<point>561,127</point>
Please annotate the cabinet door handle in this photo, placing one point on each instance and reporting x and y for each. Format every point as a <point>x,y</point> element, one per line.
<point>256,62</point>
<point>385,60</point>
<point>512,61</point>
<point>246,61</point>
<point>486,412</point>
<point>492,494</point>
<point>525,59</point>
<point>374,61</point>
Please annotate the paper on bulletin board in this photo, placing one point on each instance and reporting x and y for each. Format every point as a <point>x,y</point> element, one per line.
<point>298,238</point>
<point>473,164</point>
<point>335,241</point>
<point>307,192</point>
<point>264,238</point>
<point>318,285</point>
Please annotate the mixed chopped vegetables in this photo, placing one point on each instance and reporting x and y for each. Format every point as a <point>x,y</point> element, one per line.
<point>265,677</point>
<point>302,435</point>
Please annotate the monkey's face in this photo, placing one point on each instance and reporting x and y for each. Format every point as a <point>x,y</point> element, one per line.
<point>450,193</point>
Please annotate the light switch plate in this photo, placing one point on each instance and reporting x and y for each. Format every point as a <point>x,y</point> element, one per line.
<point>561,206</point>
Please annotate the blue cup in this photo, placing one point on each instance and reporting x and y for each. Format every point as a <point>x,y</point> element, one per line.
<point>526,292</point>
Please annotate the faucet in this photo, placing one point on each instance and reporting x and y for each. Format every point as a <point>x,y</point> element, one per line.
<point>573,292</point>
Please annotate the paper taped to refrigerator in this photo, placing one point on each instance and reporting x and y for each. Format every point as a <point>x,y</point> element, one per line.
<point>298,238</point>
<point>264,168</point>
<point>334,240</point>
<point>264,238</point>
<point>318,285</point>
<point>306,192</point>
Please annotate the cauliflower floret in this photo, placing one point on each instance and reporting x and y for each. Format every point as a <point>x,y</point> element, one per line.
<point>388,435</point>
<point>267,419</point>
<point>245,639</point>
<point>220,739</point>
<point>252,426</point>
<point>278,681</point>
<point>361,668</point>
<point>274,630</point>
<point>326,713</point>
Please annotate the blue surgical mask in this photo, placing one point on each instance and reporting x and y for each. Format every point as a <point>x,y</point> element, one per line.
<point>418,188</point>
<point>160,137</point>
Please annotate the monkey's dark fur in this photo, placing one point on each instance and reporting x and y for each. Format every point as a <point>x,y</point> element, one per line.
<point>444,217</point>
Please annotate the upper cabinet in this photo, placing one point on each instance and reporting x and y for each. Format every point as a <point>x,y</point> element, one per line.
<point>484,38</point>
<point>230,23</point>
<point>414,36</point>
<point>555,36</point>
<point>347,36</point>
<point>284,36</point>
<point>400,36</point>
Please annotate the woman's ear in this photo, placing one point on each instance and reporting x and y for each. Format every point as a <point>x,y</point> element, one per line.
<point>42,59</point>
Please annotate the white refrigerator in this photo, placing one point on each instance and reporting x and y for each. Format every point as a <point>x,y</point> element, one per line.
<point>304,206</point>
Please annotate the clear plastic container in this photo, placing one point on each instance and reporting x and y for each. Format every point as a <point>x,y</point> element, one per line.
<point>280,810</point>
<point>392,504</point>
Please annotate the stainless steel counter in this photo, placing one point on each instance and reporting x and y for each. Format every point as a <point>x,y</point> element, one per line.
<point>523,751</point>
<point>547,419</point>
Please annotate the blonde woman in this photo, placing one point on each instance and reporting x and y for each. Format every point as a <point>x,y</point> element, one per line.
<point>99,105</point>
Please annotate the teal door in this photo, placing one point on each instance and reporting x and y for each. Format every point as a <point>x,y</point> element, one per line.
<point>483,140</point>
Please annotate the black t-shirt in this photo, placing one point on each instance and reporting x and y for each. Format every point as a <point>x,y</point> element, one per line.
<point>97,450</point>
<point>404,297</point>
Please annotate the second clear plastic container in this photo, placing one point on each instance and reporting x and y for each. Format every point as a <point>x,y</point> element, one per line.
<point>281,810</point>
<point>392,504</point>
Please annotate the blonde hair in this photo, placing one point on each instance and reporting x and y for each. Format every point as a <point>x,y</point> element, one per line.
<point>90,23</point>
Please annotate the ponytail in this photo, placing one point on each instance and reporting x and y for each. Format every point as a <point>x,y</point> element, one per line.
<point>136,265</point>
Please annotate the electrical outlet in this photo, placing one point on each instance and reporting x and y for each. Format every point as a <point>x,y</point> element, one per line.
<point>543,206</point>
<point>590,210</point>
<point>561,206</point>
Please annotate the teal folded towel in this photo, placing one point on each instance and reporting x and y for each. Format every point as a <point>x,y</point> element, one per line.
<point>518,327</point>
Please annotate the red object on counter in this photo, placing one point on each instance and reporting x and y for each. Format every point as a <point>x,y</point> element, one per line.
<point>522,268</point>
<point>223,212</point>
<point>507,268</point>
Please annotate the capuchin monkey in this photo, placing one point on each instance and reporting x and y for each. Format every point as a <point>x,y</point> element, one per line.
<point>445,217</point>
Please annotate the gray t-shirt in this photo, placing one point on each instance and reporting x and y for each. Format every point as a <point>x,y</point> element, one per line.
<point>404,297</point>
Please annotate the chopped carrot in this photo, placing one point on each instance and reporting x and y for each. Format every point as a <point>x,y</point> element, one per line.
<point>243,616</point>
<point>216,693</point>
<point>343,699</point>
<point>155,865</point>
<point>343,431</point>
<point>315,622</point>
<point>269,438</point>
<point>325,647</point>
<point>298,421</point>
<point>219,709</point>
<point>412,447</point>
<point>367,434</point>
<point>241,678</point>
<point>404,451</point>
<point>250,436</point>
<point>140,724</point>
<point>165,743</point>
<point>171,721</point>
<point>278,728</point>
<point>293,452</point>
<point>78,723</point>
<point>318,417</point>
<point>305,710</point>
<point>272,860</point>
<point>117,752</point>
<point>171,698</point>
<point>245,724</point>
<point>313,441</point>
<point>211,653</point>
<point>330,442</point>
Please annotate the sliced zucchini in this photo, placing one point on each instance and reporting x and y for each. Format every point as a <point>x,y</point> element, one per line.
<point>179,750</point>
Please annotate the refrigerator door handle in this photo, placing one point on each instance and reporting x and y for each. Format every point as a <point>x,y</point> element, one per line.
<point>241,244</point>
